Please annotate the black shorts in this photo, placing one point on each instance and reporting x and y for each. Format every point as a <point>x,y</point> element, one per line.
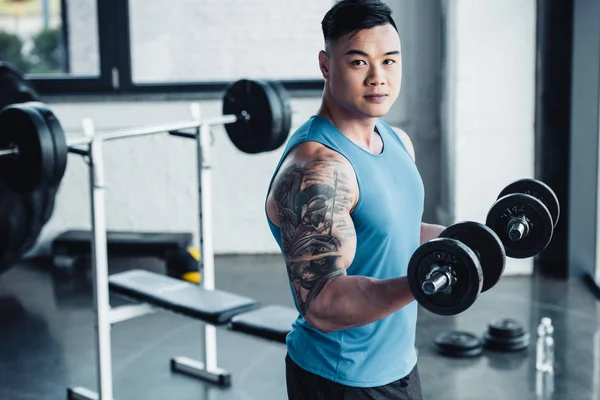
<point>304,385</point>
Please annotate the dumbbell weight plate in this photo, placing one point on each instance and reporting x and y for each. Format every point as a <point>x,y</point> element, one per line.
<point>466,268</point>
<point>513,206</point>
<point>487,246</point>
<point>540,191</point>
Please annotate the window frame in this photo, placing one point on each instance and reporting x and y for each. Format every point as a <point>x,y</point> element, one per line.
<point>115,77</point>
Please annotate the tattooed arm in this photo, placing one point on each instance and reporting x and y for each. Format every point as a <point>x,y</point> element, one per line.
<point>314,194</point>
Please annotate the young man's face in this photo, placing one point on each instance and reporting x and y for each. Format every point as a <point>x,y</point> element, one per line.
<point>364,72</point>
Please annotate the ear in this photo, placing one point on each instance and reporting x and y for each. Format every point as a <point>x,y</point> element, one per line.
<point>324,64</point>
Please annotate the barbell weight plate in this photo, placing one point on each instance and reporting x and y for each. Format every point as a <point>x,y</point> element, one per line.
<point>540,191</point>
<point>42,204</point>
<point>24,128</point>
<point>257,98</point>
<point>540,221</point>
<point>286,115</point>
<point>16,219</point>
<point>61,150</point>
<point>16,222</point>
<point>466,268</point>
<point>487,246</point>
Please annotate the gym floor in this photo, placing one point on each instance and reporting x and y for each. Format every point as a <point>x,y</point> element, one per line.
<point>47,340</point>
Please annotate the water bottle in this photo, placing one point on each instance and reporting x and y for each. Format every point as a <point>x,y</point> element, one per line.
<point>545,346</point>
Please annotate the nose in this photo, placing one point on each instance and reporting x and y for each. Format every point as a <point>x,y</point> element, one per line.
<point>375,77</point>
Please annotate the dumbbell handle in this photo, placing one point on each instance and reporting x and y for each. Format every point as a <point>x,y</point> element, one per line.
<point>518,228</point>
<point>9,151</point>
<point>438,280</point>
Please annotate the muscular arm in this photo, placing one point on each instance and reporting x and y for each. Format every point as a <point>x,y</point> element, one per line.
<point>430,231</point>
<point>314,199</point>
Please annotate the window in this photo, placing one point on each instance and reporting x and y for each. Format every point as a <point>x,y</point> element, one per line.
<point>50,36</point>
<point>210,40</point>
<point>161,46</point>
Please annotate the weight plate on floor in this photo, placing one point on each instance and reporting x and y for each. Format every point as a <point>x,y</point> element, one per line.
<point>506,344</point>
<point>540,191</point>
<point>445,252</point>
<point>266,122</point>
<point>505,328</point>
<point>458,344</point>
<point>521,205</point>
<point>33,166</point>
<point>487,246</point>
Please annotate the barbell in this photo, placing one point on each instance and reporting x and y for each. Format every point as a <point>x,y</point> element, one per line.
<point>34,147</point>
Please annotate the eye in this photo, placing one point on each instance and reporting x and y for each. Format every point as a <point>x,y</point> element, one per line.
<point>389,62</point>
<point>358,62</point>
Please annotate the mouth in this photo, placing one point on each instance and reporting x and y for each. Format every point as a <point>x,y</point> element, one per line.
<point>375,98</point>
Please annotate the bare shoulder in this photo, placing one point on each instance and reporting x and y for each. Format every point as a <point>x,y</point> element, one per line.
<point>406,140</point>
<point>312,163</point>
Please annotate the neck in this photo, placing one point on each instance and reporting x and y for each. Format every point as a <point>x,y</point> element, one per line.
<point>357,128</point>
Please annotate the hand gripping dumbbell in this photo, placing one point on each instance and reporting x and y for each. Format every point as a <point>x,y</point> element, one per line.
<point>447,274</point>
<point>524,216</point>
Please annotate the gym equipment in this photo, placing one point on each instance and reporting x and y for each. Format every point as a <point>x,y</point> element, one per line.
<point>75,243</point>
<point>505,335</point>
<point>524,217</point>
<point>34,148</point>
<point>72,247</point>
<point>213,306</point>
<point>21,216</point>
<point>458,344</point>
<point>447,274</point>
<point>36,158</point>
<point>271,322</point>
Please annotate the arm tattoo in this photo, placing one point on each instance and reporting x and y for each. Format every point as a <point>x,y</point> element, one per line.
<point>311,199</point>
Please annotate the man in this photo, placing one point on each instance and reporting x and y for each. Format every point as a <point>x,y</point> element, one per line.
<point>345,205</point>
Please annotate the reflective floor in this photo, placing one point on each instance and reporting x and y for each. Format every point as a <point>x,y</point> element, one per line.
<point>47,340</point>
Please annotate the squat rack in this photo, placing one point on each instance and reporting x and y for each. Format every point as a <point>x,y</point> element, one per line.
<point>91,146</point>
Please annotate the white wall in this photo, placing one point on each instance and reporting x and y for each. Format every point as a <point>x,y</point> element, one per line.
<point>490,102</point>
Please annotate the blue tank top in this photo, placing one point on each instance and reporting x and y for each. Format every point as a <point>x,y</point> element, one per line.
<point>387,220</point>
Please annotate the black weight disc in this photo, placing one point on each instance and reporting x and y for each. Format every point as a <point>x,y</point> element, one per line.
<point>540,191</point>
<point>466,269</point>
<point>34,165</point>
<point>487,246</point>
<point>506,344</point>
<point>458,344</point>
<point>253,135</point>
<point>285,115</point>
<point>540,221</point>
<point>61,150</point>
<point>505,328</point>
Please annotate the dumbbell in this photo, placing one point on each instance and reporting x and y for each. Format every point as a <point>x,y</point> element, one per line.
<point>524,216</point>
<point>447,274</point>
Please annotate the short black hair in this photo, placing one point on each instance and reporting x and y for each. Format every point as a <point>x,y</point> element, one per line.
<point>351,16</point>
